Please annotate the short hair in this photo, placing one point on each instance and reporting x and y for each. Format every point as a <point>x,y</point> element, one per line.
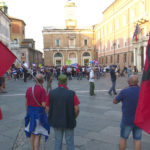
<point>133,80</point>
<point>39,78</point>
<point>62,79</point>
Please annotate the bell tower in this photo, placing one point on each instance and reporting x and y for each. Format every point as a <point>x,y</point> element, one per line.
<point>70,15</point>
<point>4,7</point>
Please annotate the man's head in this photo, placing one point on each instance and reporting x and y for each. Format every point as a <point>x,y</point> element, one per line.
<point>39,78</point>
<point>62,79</point>
<point>133,80</point>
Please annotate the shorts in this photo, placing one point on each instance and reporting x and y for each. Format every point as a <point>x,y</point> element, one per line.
<point>127,129</point>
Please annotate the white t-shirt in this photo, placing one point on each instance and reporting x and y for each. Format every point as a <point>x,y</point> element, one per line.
<point>91,77</point>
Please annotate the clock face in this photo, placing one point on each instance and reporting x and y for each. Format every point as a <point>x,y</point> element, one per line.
<point>70,13</point>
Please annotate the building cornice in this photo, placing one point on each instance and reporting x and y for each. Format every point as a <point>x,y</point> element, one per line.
<point>68,49</point>
<point>53,32</point>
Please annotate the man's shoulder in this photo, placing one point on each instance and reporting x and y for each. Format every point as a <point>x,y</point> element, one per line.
<point>129,89</point>
<point>63,89</point>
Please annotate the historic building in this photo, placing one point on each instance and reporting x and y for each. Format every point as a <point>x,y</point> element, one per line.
<point>114,34</point>
<point>29,54</point>
<point>4,25</point>
<point>12,33</point>
<point>70,44</point>
<point>17,29</point>
<point>17,35</point>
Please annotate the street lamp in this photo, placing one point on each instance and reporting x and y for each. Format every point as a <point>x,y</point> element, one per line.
<point>114,44</point>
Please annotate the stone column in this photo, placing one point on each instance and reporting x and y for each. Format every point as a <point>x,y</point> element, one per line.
<point>139,59</point>
<point>135,56</point>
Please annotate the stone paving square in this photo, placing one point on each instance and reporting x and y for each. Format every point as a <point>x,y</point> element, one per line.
<point>98,124</point>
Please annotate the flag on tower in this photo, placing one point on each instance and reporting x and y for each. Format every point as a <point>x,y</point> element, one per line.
<point>7,58</point>
<point>142,116</point>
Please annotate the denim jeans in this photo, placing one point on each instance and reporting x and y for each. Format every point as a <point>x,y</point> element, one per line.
<point>113,88</point>
<point>127,129</point>
<point>69,136</point>
<point>92,87</point>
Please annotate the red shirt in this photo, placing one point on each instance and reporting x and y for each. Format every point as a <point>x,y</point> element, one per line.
<point>75,99</point>
<point>39,93</point>
<point>77,70</point>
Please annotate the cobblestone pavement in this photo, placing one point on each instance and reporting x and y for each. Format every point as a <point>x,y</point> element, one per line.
<point>97,125</point>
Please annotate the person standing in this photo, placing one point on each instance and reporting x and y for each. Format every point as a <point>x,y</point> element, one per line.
<point>25,72</point>
<point>135,70</point>
<point>36,120</point>
<point>49,78</point>
<point>63,108</point>
<point>129,98</point>
<point>113,80</point>
<point>91,81</point>
<point>129,71</point>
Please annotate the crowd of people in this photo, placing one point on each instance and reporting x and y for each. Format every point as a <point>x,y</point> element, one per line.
<point>72,72</point>
<point>59,107</point>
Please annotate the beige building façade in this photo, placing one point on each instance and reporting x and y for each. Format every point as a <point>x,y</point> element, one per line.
<point>114,34</point>
<point>71,43</point>
<point>110,41</point>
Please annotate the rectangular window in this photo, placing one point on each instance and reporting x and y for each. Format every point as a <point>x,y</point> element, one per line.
<point>118,43</point>
<point>132,15</point>
<point>125,58</point>
<point>125,42</point>
<point>110,28</point>
<point>132,57</point>
<point>85,42</point>
<point>57,42</point>
<point>111,59</point>
<point>72,43</point>
<point>124,20</point>
<point>117,58</point>
<point>117,24</point>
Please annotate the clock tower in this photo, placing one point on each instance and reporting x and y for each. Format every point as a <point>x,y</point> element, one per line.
<point>70,15</point>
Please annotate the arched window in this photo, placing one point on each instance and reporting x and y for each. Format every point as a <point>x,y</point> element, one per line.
<point>86,54</point>
<point>58,55</point>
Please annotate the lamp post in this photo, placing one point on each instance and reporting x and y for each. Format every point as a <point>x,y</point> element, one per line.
<point>114,44</point>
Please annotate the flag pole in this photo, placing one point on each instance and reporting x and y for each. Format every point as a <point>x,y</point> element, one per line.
<point>28,71</point>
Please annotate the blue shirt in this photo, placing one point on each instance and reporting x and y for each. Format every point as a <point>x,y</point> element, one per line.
<point>129,98</point>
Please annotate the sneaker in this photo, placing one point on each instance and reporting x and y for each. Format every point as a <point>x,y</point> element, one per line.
<point>115,93</point>
<point>109,93</point>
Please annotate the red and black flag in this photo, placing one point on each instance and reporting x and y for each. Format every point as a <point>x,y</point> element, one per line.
<point>7,58</point>
<point>142,116</point>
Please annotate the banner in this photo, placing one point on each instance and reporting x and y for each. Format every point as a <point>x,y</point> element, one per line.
<point>7,58</point>
<point>68,62</point>
<point>142,116</point>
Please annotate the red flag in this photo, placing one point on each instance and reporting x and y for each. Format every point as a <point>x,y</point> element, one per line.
<point>142,116</point>
<point>7,58</point>
<point>1,115</point>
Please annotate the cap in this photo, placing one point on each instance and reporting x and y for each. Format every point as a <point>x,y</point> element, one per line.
<point>62,79</point>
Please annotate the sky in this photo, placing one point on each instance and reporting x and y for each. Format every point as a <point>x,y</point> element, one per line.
<point>38,14</point>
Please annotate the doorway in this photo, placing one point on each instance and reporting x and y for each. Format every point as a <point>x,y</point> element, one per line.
<point>58,62</point>
<point>86,62</point>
